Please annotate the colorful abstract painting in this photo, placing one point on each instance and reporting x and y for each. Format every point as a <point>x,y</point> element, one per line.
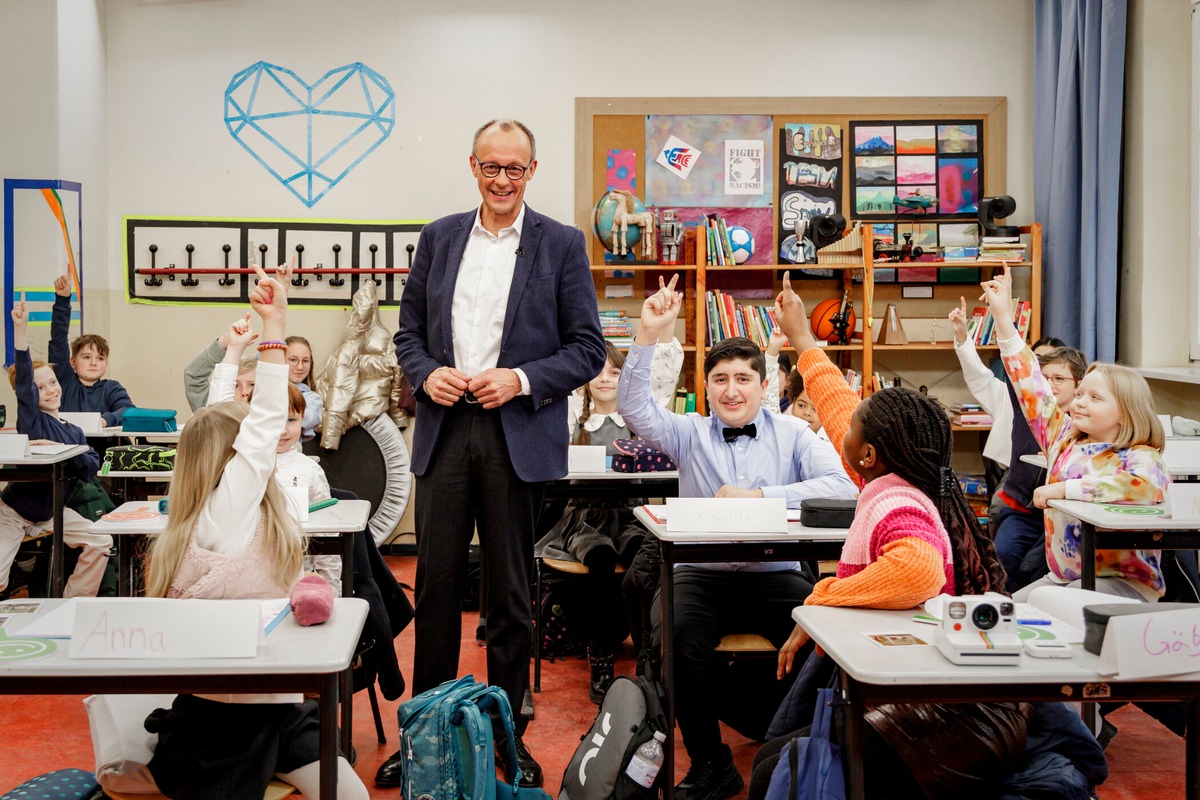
<point>958,185</point>
<point>958,138</point>
<point>916,139</point>
<point>705,183</point>
<point>621,170</point>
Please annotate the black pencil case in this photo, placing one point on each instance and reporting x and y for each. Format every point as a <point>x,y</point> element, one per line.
<point>824,512</point>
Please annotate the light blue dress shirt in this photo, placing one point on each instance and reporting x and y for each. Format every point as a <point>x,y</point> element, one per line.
<point>785,459</point>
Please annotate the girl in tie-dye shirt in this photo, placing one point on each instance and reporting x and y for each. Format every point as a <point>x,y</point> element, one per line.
<point>1107,450</point>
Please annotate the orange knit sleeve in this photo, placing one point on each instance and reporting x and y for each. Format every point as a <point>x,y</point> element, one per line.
<point>908,572</point>
<point>831,396</point>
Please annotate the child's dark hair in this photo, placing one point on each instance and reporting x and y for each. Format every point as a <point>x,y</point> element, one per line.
<point>734,348</point>
<point>90,340</point>
<point>912,435</point>
<point>617,359</point>
<point>795,384</point>
<point>1071,358</point>
<point>1048,341</point>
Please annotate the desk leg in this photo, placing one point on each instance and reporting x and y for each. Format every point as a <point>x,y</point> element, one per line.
<point>59,495</point>
<point>346,701</point>
<point>856,778</point>
<point>348,563</point>
<point>327,705</point>
<point>667,616</point>
<point>124,566</point>
<point>1087,555</point>
<point>1193,747</point>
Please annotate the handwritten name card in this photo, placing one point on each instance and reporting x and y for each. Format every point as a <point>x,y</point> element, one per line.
<point>726,515</point>
<point>157,628</point>
<point>1152,644</point>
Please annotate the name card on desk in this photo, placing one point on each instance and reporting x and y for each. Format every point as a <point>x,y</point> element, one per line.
<point>1152,644</point>
<point>585,458</point>
<point>13,446</point>
<point>726,515</point>
<point>159,628</point>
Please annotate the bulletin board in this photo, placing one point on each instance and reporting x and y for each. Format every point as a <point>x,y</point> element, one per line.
<point>955,144</point>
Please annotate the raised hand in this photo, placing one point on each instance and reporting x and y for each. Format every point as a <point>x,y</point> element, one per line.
<point>660,311</point>
<point>776,342</point>
<point>20,316</point>
<point>792,318</point>
<point>62,286</point>
<point>269,297</point>
<point>958,320</point>
<point>240,335</point>
<point>998,294</point>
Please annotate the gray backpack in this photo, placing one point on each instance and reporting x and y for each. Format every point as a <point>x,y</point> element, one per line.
<point>632,710</point>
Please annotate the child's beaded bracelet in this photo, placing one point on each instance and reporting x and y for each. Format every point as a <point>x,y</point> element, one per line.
<point>273,344</point>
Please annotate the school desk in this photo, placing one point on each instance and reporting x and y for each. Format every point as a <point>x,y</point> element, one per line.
<point>51,468</point>
<point>1181,455</point>
<point>873,674</point>
<point>610,485</point>
<point>1173,525</point>
<point>331,530</point>
<point>800,543</point>
<point>295,659</point>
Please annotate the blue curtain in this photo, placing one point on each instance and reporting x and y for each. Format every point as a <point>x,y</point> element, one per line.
<point>1079,78</point>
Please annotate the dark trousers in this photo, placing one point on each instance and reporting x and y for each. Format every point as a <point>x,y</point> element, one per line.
<point>471,484</point>
<point>708,605</point>
<point>1018,532</point>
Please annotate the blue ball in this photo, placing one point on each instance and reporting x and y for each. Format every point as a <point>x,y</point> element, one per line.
<point>743,243</point>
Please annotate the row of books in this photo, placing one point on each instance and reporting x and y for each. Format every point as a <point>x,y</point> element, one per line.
<point>855,381</point>
<point>969,415</point>
<point>728,318</point>
<point>616,328</point>
<point>685,402</point>
<point>1002,248</point>
<point>719,251</point>
<point>981,327</point>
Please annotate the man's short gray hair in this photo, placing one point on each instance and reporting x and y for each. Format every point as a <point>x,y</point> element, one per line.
<point>506,125</point>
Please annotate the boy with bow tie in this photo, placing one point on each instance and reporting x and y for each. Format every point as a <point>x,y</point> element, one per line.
<point>740,451</point>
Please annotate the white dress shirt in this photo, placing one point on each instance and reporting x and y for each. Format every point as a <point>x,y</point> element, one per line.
<point>481,297</point>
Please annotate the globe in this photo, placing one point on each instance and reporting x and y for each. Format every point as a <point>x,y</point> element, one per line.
<point>602,222</point>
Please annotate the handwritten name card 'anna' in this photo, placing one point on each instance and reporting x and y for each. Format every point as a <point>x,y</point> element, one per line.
<point>156,628</point>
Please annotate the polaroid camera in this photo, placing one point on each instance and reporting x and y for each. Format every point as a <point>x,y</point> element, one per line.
<point>980,629</point>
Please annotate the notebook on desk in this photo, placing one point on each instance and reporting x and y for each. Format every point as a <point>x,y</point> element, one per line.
<point>91,422</point>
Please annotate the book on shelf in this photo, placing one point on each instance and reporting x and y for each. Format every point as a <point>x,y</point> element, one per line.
<point>727,318</point>
<point>972,485</point>
<point>981,328</point>
<point>981,419</point>
<point>962,253</point>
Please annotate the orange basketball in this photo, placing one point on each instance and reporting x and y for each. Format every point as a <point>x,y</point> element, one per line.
<point>821,319</point>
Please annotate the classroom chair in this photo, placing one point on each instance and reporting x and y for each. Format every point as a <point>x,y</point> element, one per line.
<point>548,571</point>
<point>61,784</point>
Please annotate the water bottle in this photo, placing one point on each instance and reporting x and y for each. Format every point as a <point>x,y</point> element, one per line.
<point>647,761</point>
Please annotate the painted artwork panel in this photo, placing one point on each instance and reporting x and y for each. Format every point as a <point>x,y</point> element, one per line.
<point>916,170</point>
<point>924,235</point>
<point>962,138</point>
<point>823,142</point>
<point>958,185</point>
<point>916,139</point>
<point>621,170</point>
<point>958,234</point>
<point>874,199</point>
<point>904,192</point>
<point>874,170</point>
<point>871,140</point>
<point>705,184</point>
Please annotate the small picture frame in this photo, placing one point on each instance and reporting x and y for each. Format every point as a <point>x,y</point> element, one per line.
<point>922,292</point>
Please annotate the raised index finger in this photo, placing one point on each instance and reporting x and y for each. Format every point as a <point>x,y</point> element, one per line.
<point>787,281</point>
<point>674,280</point>
<point>258,270</point>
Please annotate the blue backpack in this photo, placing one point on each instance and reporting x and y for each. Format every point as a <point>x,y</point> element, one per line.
<point>447,747</point>
<point>810,767</point>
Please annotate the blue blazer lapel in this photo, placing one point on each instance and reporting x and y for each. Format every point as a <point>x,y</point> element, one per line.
<point>458,245</point>
<point>531,237</point>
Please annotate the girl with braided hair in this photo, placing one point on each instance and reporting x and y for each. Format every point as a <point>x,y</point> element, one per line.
<point>913,535</point>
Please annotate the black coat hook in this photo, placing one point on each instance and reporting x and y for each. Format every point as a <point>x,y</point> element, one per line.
<point>153,280</point>
<point>227,279</point>
<point>374,249</point>
<point>190,279</point>
<point>298,279</point>
<point>336,280</point>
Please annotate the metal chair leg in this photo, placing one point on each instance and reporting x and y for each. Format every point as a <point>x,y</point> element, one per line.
<point>375,713</point>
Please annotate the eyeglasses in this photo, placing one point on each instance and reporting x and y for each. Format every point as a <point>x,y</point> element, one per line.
<point>1058,380</point>
<point>515,172</point>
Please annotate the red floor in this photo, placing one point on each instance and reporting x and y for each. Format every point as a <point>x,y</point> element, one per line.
<point>46,733</point>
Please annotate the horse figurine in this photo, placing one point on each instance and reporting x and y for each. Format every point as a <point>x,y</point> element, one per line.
<point>623,217</point>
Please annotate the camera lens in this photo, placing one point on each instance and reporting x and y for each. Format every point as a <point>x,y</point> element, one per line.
<point>985,616</point>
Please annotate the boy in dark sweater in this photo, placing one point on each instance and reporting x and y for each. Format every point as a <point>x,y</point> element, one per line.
<point>28,508</point>
<point>80,370</point>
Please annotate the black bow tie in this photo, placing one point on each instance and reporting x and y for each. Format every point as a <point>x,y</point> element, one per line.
<point>733,433</point>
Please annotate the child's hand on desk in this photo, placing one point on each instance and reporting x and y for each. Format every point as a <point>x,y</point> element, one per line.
<point>1042,495</point>
<point>62,286</point>
<point>42,442</point>
<point>737,491</point>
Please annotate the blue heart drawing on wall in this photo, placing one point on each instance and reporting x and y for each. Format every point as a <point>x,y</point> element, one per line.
<point>309,136</point>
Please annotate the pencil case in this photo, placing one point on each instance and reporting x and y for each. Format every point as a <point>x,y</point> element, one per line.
<point>825,512</point>
<point>138,458</point>
<point>634,455</point>
<point>148,420</point>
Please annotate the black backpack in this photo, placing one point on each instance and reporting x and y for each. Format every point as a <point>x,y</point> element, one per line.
<point>632,711</point>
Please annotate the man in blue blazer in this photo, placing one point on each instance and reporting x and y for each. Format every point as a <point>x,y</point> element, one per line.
<point>498,325</point>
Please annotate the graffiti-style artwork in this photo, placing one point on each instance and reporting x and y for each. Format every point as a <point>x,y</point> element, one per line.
<point>809,181</point>
<point>309,136</point>
<point>822,142</point>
